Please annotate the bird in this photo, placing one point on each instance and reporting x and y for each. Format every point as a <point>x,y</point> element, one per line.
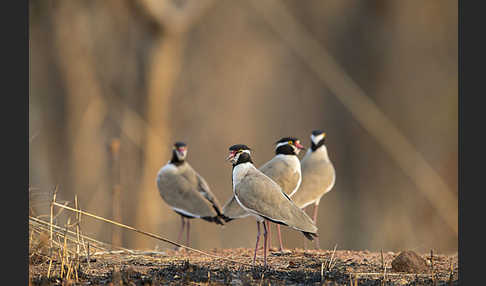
<point>264,199</point>
<point>284,168</point>
<point>318,175</point>
<point>186,192</point>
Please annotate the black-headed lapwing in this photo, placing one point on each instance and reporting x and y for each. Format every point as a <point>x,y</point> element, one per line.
<point>264,199</point>
<point>186,192</point>
<point>318,175</point>
<point>284,168</point>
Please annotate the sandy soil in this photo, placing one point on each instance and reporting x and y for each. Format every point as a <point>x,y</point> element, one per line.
<point>299,267</point>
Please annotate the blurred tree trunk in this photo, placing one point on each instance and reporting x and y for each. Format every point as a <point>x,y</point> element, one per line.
<point>85,107</point>
<point>167,58</point>
<point>166,64</point>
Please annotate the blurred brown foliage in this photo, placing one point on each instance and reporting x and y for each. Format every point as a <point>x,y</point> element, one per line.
<point>216,73</point>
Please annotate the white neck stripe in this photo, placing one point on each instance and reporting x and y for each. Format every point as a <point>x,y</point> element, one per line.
<point>317,138</point>
<point>281,144</point>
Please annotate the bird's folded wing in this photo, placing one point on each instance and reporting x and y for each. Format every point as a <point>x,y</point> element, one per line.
<point>203,188</point>
<point>181,193</point>
<point>261,195</point>
<point>233,210</point>
<point>282,174</point>
<point>317,179</point>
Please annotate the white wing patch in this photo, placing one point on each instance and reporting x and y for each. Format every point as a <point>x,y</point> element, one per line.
<point>185,212</point>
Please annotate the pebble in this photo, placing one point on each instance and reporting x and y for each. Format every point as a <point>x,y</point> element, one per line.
<point>410,262</point>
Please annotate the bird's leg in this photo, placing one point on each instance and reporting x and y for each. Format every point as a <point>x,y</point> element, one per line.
<point>187,235</point>
<point>179,237</point>
<point>257,240</point>
<point>269,236</point>
<point>265,241</point>
<point>279,238</point>
<point>316,205</point>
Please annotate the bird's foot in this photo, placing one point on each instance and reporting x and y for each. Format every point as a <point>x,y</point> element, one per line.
<point>284,251</point>
<point>281,252</point>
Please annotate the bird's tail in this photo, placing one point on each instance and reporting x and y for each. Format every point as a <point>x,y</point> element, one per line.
<point>226,219</point>
<point>216,219</point>
<point>309,235</point>
<point>219,218</point>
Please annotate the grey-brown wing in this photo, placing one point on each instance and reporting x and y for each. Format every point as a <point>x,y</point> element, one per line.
<point>180,192</point>
<point>233,210</point>
<point>262,195</point>
<point>203,188</point>
<point>282,173</point>
<point>317,178</point>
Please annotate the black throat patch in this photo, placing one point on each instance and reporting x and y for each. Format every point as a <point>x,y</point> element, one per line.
<point>285,150</point>
<point>244,158</point>
<point>314,147</point>
<point>175,160</point>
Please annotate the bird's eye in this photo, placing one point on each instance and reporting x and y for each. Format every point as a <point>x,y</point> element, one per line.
<point>290,142</point>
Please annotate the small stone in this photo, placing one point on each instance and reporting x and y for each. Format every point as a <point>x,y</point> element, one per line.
<point>410,262</point>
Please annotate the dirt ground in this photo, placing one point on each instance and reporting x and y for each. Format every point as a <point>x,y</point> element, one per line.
<point>299,267</point>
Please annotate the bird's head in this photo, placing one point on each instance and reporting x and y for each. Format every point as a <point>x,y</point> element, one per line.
<point>288,146</point>
<point>239,153</point>
<point>179,150</point>
<point>317,137</point>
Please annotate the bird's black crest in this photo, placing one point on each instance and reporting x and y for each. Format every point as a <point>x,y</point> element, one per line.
<point>179,144</point>
<point>239,147</point>
<point>285,139</point>
<point>317,132</point>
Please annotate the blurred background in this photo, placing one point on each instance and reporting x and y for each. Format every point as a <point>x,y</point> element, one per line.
<point>114,83</point>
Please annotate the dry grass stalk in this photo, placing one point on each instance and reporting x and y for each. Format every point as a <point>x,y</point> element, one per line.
<point>322,271</point>
<point>451,274</point>
<point>353,281</point>
<point>64,256</point>
<point>261,279</point>
<point>57,233</point>
<point>62,242</point>
<point>330,265</point>
<point>383,266</point>
<point>50,231</point>
<point>78,220</point>
<point>56,244</point>
<point>68,264</point>
<point>43,224</point>
<point>79,233</point>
